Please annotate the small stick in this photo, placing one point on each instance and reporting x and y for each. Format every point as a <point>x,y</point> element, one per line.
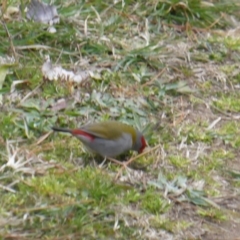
<point>134,158</point>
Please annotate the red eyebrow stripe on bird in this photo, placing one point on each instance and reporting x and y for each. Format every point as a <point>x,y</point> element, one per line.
<point>144,144</point>
<point>82,133</point>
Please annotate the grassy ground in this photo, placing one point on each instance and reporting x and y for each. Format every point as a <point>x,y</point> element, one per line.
<point>167,67</point>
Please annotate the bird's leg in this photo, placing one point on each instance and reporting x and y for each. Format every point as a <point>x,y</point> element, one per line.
<point>112,160</point>
<point>116,161</point>
<point>124,166</point>
<point>104,160</point>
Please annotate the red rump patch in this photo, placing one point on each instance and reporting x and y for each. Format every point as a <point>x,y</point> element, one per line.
<point>80,132</point>
<point>144,144</point>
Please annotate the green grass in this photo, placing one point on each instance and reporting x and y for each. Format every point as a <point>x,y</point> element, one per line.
<point>165,67</point>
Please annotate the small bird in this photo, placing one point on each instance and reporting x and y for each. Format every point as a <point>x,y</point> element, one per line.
<point>108,139</point>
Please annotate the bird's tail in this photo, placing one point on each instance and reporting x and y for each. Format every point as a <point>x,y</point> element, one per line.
<point>57,129</point>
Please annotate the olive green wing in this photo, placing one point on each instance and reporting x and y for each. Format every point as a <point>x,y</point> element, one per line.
<point>107,130</point>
